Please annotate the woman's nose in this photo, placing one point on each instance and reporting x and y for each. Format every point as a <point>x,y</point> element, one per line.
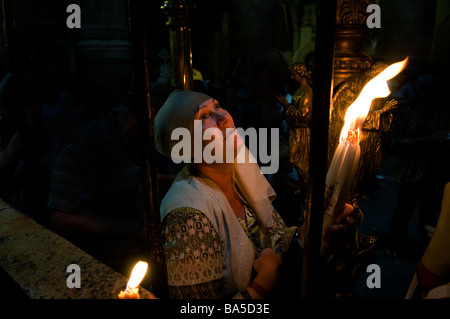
<point>221,118</point>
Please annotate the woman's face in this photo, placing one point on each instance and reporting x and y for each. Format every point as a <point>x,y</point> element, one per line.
<point>214,117</point>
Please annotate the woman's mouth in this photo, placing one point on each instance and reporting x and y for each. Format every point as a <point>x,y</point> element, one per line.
<point>230,131</point>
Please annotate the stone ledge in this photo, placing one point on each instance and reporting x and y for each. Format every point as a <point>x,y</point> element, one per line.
<point>37,259</point>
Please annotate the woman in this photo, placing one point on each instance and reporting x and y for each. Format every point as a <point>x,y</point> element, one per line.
<point>222,236</point>
<point>433,269</point>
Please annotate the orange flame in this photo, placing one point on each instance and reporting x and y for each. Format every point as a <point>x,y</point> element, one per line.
<point>375,88</point>
<point>137,275</point>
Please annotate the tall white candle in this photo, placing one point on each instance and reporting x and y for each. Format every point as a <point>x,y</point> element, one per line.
<point>340,177</point>
<point>345,161</point>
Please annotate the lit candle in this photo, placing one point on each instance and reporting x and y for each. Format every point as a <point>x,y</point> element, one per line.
<point>132,290</point>
<point>345,162</point>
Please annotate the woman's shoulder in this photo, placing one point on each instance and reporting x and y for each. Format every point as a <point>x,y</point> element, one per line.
<point>185,189</point>
<point>187,193</point>
<point>182,214</point>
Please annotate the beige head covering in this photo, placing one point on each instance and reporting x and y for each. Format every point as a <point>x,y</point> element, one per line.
<point>179,111</point>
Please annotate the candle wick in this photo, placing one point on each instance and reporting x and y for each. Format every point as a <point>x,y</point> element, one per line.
<point>352,137</point>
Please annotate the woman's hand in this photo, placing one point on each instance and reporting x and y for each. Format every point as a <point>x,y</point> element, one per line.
<point>333,230</point>
<point>268,270</point>
<point>269,260</point>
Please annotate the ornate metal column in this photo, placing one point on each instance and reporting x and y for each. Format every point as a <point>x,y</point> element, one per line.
<point>353,69</point>
<point>177,12</point>
<point>351,31</point>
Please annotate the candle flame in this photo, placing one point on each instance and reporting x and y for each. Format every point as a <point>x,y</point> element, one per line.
<point>375,88</point>
<point>137,275</point>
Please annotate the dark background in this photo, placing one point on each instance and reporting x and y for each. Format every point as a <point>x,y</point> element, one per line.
<point>95,64</point>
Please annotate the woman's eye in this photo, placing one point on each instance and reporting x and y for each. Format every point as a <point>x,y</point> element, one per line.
<point>204,116</point>
<point>218,106</point>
